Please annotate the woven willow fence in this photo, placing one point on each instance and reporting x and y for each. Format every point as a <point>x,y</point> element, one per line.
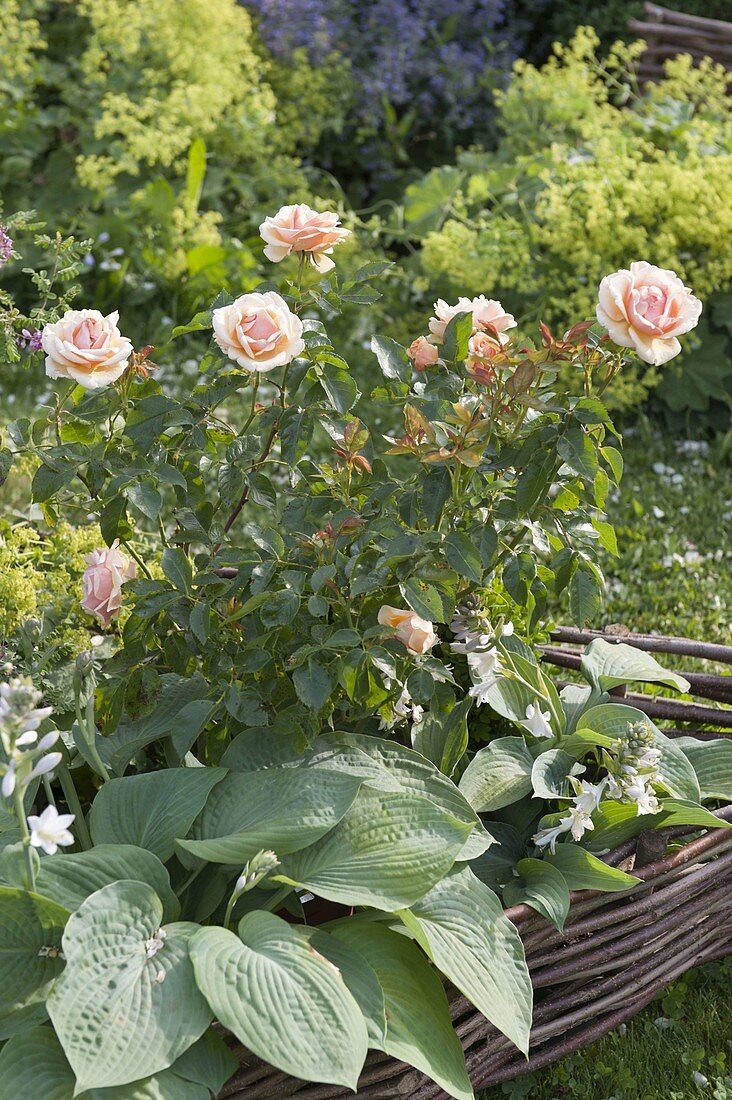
<point>668,33</point>
<point>617,951</point>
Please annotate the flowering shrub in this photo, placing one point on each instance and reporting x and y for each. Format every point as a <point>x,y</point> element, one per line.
<point>281,713</point>
<point>588,175</point>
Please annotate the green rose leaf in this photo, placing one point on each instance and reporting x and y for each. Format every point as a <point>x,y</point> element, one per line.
<point>463,556</point>
<point>30,947</point>
<point>419,1029</point>
<point>283,1000</point>
<point>461,925</point>
<point>127,1005</point>
<point>152,810</point>
<point>388,850</point>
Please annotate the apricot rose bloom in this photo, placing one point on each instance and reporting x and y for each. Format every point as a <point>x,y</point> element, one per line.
<point>417,635</point>
<point>108,569</point>
<point>646,308</point>
<point>258,331</point>
<point>300,229</point>
<point>86,347</point>
<point>486,311</point>
<point>422,353</point>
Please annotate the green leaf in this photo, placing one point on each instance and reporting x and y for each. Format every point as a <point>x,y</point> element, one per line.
<point>282,999</point>
<point>145,498</point>
<point>152,810</point>
<point>72,879</point>
<point>387,851</point>
<point>576,450</point>
<point>313,684</point>
<point>177,568</point>
<point>614,460</point>
<point>443,738</point>
<point>462,927</point>
<point>584,596</point>
<point>583,871</point>
<point>549,773</point>
<point>208,1062</point>
<point>607,665</point>
<point>424,599</point>
<point>340,388</point>
<point>198,323</point>
<point>282,809</point>
<point>535,479</point>
<point>30,945</point>
<point>360,978</point>
<point>392,359</point>
<point>463,556</point>
<point>419,1029</point>
<point>712,762</point>
<point>457,337</point>
<point>498,775</point>
<point>117,1006</point>
<point>543,887</point>
<point>675,771</point>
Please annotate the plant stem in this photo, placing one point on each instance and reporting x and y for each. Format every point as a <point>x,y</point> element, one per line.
<point>72,801</point>
<point>25,836</point>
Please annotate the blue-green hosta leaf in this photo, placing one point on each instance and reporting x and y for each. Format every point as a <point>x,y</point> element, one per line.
<point>20,1020</point>
<point>543,887</point>
<point>676,774</point>
<point>388,851</point>
<point>495,867</point>
<point>282,999</point>
<point>360,978</point>
<point>461,925</point>
<point>281,808</point>
<point>616,822</point>
<point>607,665</point>
<point>31,928</point>
<point>498,774</point>
<point>73,877</point>
<point>34,1065</point>
<point>583,871</point>
<point>127,1005</point>
<point>712,762</point>
<point>550,771</point>
<point>151,810</point>
<point>443,738</point>
<point>419,1030</point>
<point>574,699</point>
<point>208,1062</point>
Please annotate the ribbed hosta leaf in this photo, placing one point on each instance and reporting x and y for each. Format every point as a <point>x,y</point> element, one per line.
<point>127,1004</point>
<point>282,999</point>
<point>30,944</point>
<point>462,927</point>
<point>712,762</point>
<point>549,773</point>
<point>360,978</point>
<point>389,850</point>
<point>607,665</point>
<point>151,810</point>
<point>419,1030</point>
<point>541,886</point>
<point>281,808</point>
<point>583,871</point>
<point>72,878</point>
<point>498,775</point>
<point>675,770</point>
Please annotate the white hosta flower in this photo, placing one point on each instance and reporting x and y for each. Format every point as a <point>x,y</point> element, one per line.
<point>638,790</point>
<point>404,710</point>
<point>589,795</point>
<point>45,765</point>
<point>537,721</point>
<point>9,780</point>
<point>579,821</point>
<point>50,830</point>
<point>547,838</point>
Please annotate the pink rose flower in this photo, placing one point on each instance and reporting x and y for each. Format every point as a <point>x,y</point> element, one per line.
<point>86,347</point>
<point>422,353</point>
<point>416,634</point>
<point>300,229</point>
<point>486,311</point>
<point>482,347</point>
<point>107,571</point>
<point>647,308</point>
<point>258,331</point>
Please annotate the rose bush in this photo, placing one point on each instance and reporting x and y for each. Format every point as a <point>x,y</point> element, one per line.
<point>302,626</point>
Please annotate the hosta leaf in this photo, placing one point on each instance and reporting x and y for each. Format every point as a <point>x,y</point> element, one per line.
<point>543,887</point>
<point>583,871</point>
<point>151,810</point>
<point>607,665</point>
<point>30,943</point>
<point>388,850</point>
<point>549,773</point>
<point>419,1030</point>
<point>712,762</point>
<point>461,925</point>
<point>360,979</point>
<point>443,738</point>
<point>71,879</point>
<point>675,771</point>
<point>282,999</point>
<point>121,1012</point>
<point>208,1062</point>
<point>498,775</point>
<point>280,808</point>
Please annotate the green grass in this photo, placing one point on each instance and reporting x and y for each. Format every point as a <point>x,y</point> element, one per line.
<point>685,1032</point>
